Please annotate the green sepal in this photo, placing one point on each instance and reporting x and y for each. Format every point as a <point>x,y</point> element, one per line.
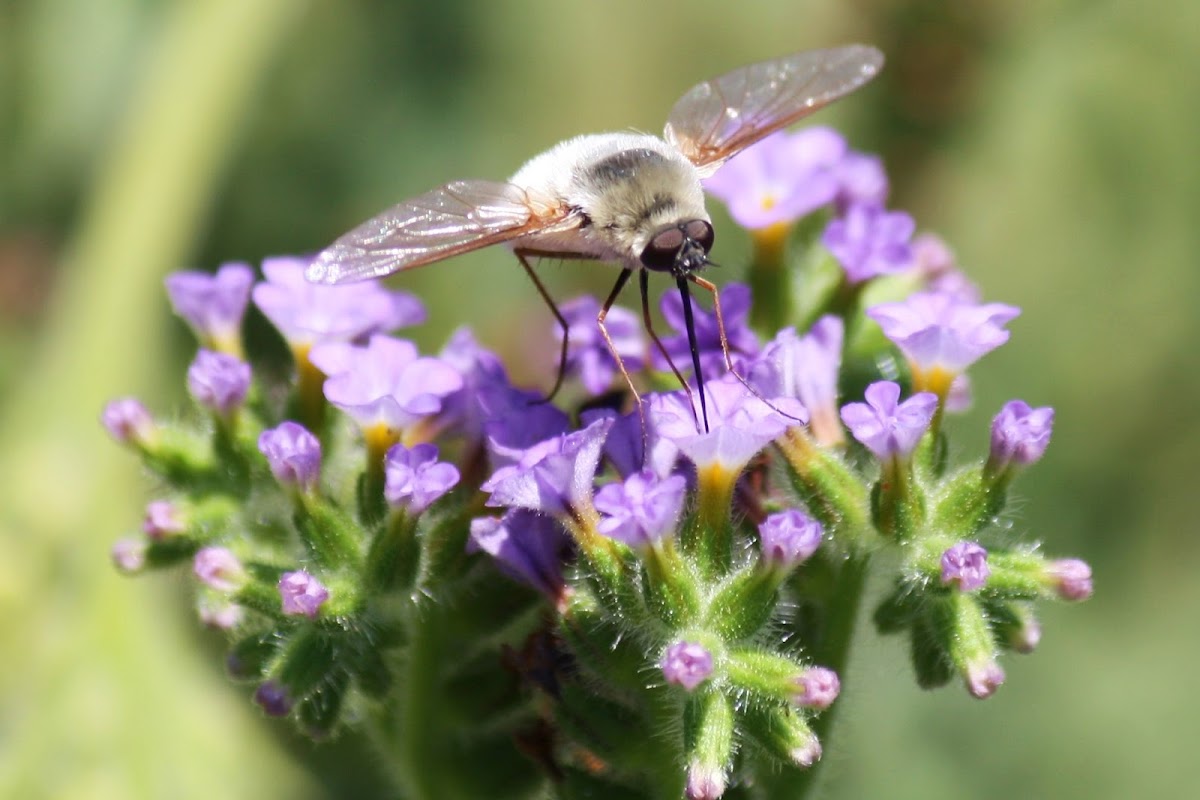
<point>967,504</point>
<point>261,595</point>
<point>895,613</point>
<point>930,656</point>
<point>898,502</point>
<point>745,603</point>
<point>763,674</point>
<point>781,732</point>
<point>394,555</point>
<point>970,638</point>
<point>708,730</point>
<point>249,657</point>
<point>319,711</point>
<point>444,531</point>
<point>601,645</point>
<point>329,534</point>
<point>171,551</point>
<point>307,660</point>
<point>669,585</point>
<point>611,730</point>
<point>182,458</point>
<point>1018,575</point>
<point>829,489</point>
<point>231,459</point>
<point>371,671</point>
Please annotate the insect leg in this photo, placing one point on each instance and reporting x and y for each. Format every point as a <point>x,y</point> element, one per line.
<point>521,254</point>
<point>711,287</point>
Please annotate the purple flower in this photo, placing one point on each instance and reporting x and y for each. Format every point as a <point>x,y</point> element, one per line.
<point>163,519</point>
<point>642,509</point>
<point>940,332</point>
<point>789,538</point>
<point>273,698</point>
<point>415,478</point>
<point>482,373</point>
<point>553,476</point>
<point>1020,434</point>
<point>129,555</point>
<point>218,568</point>
<point>983,678</point>
<point>516,421</point>
<point>806,368</point>
<point>807,754</point>
<point>740,424</point>
<point>213,305</point>
<point>221,616</point>
<point>861,181</point>
<point>308,314</point>
<point>1024,638</point>
<point>627,441</point>
<point>934,261</point>
<point>588,354</point>
<point>302,595</point>
<point>687,664</point>
<point>965,567</point>
<point>219,382</point>
<point>781,178</point>
<point>887,428</point>
<point>817,688</point>
<point>735,308</point>
<point>293,454</point>
<point>128,422</point>
<point>384,383</point>
<point>868,241</point>
<point>528,546</point>
<point>1071,578</point>
<point>705,782</point>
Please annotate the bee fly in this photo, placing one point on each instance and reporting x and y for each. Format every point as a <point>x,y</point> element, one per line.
<point>631,199</point>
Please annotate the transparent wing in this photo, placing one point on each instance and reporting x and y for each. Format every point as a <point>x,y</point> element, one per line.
<point>453,219</point>
<point>723,116</point>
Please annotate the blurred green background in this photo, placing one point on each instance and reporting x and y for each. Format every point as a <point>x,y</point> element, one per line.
<point>1053,144</point>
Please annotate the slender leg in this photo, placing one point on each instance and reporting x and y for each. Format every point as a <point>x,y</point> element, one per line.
<point>711,287</point>
<point>644,285</point>
<point>521,254</point>
<point>622,279</point>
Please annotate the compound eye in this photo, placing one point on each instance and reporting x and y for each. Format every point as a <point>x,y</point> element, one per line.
<point>660,254</point>
<point>701,232</point>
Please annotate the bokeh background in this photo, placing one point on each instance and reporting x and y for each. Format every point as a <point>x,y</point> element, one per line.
<point>1054,144</point>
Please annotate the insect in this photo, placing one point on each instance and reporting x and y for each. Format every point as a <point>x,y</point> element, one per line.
<point>631,199</point>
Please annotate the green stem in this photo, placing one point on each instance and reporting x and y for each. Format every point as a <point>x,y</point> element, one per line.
<point>833,651</point>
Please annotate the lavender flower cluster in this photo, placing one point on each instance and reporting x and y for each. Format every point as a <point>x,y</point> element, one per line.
<point>683,579</point>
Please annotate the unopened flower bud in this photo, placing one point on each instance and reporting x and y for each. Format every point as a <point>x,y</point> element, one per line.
<point>218,382</point>
<point>705,782</point>
<point>1020,434</point>
<point>302,594</point>
<point>818,688</point>
<point>1071,578</point>
<point>293,454</point>
<point>163,520</point>
<point>128,422</point>
<point>983,678</point>
<point>687,664</point>
<point>218,568</point>
<point>129,555</point>
<point>273,699</point>
<point>964,566</point>
<point>789,538</point>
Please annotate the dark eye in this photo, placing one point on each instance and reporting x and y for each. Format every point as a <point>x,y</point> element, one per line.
<point>663,248</point>
<point>700,232</point>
